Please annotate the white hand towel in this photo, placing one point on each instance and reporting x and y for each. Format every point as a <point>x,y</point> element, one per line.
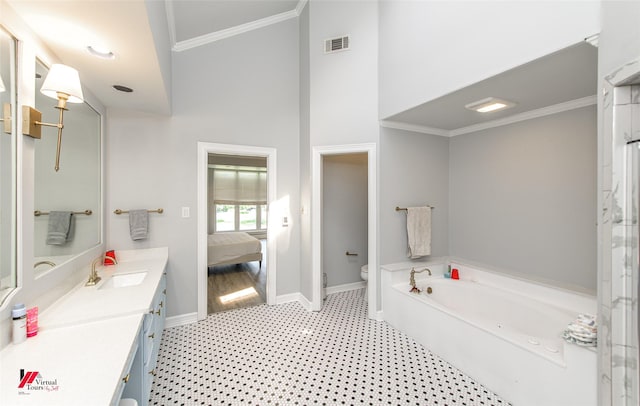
<point>419,231</point>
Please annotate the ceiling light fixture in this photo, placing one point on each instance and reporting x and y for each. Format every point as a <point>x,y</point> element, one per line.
<point>100,52</point>
<point>489,104</point>
<point>62,83</point>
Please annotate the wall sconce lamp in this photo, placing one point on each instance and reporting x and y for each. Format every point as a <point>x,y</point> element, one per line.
<point>62,83</point>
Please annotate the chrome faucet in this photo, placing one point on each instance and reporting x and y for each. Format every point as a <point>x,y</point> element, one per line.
<point>412,279</point>
<point>93,276</point>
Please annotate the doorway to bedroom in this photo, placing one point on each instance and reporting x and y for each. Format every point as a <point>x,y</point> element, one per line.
<point>237,231</point>
<point>236,187</point>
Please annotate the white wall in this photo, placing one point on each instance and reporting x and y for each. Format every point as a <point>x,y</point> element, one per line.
<point>343,86</point>
<point>243,90</point>
<point>431,48</point>
<point>344,220</point>
<point>522,198</point>
<point>305,156</point>
<point>414,171</point>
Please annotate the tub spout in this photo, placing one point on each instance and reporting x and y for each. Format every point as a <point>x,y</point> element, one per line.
<point>412,279</point>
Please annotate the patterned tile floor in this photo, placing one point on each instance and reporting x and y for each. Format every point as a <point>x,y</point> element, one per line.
<point>285,355</point>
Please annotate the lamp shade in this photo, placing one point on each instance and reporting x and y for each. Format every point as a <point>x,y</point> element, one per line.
<point>2,88</point>
<point>63,79</point>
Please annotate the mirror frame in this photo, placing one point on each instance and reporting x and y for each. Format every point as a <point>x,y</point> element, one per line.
<point>10,84</point>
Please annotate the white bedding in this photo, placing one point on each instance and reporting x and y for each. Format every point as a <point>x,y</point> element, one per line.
<point>226,247</point>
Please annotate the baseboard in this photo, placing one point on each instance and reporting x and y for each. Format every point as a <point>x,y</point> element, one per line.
<point>294,297</point>
<point>304,302</point>
<point>290,297</point>
<point>181,320</point>
<point>380,315</point>
<point>345,287</point>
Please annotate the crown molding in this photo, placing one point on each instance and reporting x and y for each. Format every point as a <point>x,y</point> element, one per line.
<point>300,6</point>
<point>414,128</point>
<point>528,115</point>
<point>229,32</point>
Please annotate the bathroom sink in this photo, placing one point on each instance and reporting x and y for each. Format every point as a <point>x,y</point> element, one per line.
<point>124,280</point>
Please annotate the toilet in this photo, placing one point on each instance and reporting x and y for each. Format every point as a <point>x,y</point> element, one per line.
<point>364,274</point>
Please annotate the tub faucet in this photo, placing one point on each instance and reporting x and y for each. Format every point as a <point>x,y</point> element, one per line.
<point>412,279</point>
<point>93,276</point>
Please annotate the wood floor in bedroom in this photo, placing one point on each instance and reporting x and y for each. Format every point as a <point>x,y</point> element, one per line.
<point>236,286</point>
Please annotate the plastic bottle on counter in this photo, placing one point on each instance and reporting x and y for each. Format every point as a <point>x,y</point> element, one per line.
<point>19,316</point>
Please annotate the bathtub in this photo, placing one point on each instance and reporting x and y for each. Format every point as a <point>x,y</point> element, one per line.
<point>505,333</point>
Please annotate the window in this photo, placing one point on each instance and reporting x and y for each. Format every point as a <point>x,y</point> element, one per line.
<point>239,198</point>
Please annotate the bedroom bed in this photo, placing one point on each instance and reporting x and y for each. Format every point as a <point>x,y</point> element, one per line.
<point>233,248</point>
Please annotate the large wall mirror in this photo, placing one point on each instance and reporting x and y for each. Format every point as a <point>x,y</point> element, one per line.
<point>7,165</point>
<point>75,188</point>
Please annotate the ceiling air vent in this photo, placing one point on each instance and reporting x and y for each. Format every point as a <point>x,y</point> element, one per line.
<point>336,44</point>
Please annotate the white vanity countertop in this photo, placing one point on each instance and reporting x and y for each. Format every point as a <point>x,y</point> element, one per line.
<point>85,338</point>
<point>85,363</point>
<point>91,303</point>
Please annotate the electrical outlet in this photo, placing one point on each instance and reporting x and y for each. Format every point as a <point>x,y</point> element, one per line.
<point>186,212</point>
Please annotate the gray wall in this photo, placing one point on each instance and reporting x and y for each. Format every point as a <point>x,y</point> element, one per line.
<point>522,198</point>
<point>344,217</point>
<point>414,171</point>
<point>242,90</point>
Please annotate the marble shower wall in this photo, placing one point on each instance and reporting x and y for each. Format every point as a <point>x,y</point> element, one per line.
<point>618,281</point>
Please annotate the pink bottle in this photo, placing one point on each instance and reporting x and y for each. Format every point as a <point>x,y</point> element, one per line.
<point>32,322</point>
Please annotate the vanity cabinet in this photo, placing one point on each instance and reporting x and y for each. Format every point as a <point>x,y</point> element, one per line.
<point>143,369</point>
<point>126,375</point>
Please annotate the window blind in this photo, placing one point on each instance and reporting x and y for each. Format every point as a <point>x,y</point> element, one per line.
<point>239,187</point>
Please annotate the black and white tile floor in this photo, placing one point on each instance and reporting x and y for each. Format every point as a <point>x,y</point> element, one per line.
<point>285,355</point>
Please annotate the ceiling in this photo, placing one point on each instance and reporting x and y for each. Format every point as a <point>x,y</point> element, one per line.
<point>141,45</point>
<point>198,18</point>
<point>145,34</point>
<point>564,79</point>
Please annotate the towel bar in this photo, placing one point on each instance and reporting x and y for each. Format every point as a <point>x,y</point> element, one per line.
<point>405,209</point>
<point>118,211</point>
<point>45,213</point>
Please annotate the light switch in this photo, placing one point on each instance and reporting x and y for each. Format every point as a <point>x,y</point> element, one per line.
<point>285,222</point>
<point>185,212</point>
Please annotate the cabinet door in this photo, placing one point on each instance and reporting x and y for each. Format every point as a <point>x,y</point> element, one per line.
<point>154,334</point>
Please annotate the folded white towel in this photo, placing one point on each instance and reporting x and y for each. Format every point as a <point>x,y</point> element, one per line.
<point>419,231</point>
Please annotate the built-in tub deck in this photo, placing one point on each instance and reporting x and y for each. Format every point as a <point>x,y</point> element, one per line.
<point>504,332</point>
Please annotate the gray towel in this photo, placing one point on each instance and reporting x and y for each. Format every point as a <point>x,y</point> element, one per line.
<point>59,228</point>
<point>138,224</point>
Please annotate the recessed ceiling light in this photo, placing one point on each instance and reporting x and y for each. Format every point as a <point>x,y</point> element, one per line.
<point>123,88</point>
<point>489,104</point>
<point>100,52</point>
